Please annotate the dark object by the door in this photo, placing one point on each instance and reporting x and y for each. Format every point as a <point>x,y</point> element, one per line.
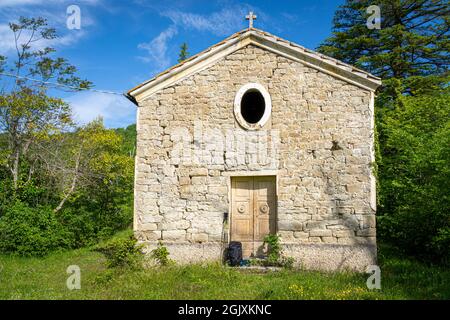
<point>234,253</point>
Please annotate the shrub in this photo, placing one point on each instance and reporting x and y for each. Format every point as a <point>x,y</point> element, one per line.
<point>273,242</point>
<point>275,256</point>
<point>441,244</point>
<point>31,231</point>
<point>414,209</point>
<point>122,252</point>
<point>161,255</point>
<point>91,224</point>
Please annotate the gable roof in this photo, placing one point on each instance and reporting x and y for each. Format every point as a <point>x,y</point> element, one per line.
<point>261,39</point>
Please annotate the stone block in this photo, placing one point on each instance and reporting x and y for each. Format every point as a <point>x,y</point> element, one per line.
<point>320,233</point>
<point>329,239</point>
<point>177,224</point>
<point>198,172</point>
<point>286,235</point>
<point>290,225</point>
<point>199,237</point>
<point>343,233</point>
<point>174,235</point>
<point>198,180</point>
<point>301,235</point>
<point>148,227</point>
<point>315,239</point>
<point>313,225</point>
<point>220,190</point>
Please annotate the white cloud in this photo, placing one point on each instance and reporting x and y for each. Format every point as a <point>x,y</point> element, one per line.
<point>157,49</point>
<point>220,23</point>
<point>117,111</point>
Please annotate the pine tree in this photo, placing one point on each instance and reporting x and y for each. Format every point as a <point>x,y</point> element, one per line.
<point>184,54</point>
<point>413,41</point>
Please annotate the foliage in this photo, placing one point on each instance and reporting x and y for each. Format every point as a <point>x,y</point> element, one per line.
<point>28,119</point>
<point>88,182</point>
<point>121,252</point>
<point>102,176</point>
<point>273,241</point>
<point>161,255</point>
<point>34,58</point>
<point>414,174</point>
<point>275,256</point>
<point>184,54</point>
<point>60,186</point>
<point>31,231</point>
<point>412,43</point>
<point>44,278</point>
<point>129,139</point>
<point>27,114</point>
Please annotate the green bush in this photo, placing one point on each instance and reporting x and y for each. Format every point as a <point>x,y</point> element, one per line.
<point>90,225</point>
<point>161,255</point>
<point>414,193</point>
<point>275,256</point>
<point>121,252</point>
<point>31,231</point>
<point>273,242</point>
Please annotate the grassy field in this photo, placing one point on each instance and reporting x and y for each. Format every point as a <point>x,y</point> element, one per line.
<point>45,278</point>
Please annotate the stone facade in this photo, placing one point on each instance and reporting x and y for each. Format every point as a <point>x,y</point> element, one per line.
<point>320,138</point>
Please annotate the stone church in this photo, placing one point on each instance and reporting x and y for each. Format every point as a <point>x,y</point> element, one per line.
<point>257,135</point>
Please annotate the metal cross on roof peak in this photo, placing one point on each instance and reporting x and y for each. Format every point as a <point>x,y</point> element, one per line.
<point>250,18</point>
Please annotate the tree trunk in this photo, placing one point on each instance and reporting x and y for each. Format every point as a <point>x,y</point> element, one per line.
<point>15,169</point>
<point>72,185</point>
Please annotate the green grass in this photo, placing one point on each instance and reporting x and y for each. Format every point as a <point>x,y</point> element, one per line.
<point>45,278</point>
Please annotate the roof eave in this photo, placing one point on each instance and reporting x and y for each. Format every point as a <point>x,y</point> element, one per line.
<point>269,42</point>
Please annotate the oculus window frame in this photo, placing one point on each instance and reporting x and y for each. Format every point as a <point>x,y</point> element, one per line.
<point>252,87</point>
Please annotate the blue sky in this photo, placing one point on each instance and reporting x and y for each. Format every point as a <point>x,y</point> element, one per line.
<point>123,43</point>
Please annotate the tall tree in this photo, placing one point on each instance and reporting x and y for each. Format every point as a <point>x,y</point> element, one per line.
<point>27,113</point>
<point>413,41</point>
<point>184,54</point>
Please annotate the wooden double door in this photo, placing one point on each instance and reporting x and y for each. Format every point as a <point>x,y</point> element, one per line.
<point>253,212</point>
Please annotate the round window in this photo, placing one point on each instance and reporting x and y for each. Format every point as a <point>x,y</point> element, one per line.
<point>252,106</point>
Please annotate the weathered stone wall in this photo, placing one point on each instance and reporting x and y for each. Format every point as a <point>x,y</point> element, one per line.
<point>320,131</point>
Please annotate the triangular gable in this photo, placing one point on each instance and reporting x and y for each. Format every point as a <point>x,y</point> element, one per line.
<point>263,40</point>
